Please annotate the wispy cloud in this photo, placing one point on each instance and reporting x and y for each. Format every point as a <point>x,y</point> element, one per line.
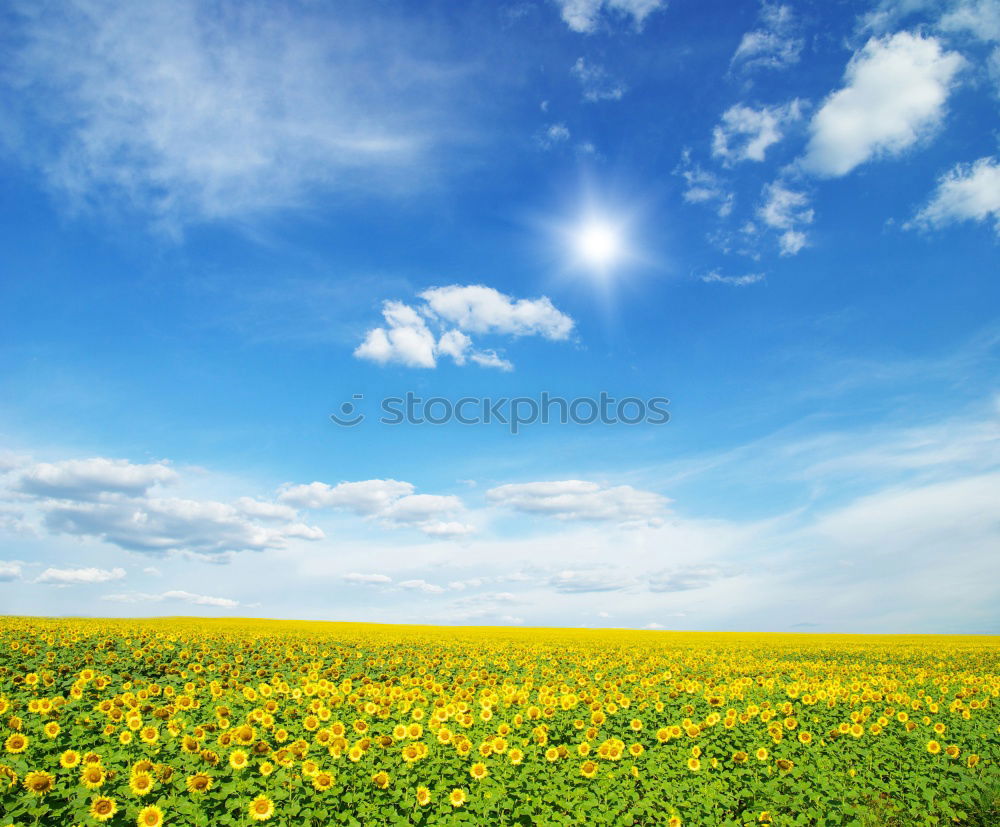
<point>586,16</point>
<point>775,44</point>
<point>596,82</point>
<point>65,577</point>
<point>191,111</point>
<point>581,500</point>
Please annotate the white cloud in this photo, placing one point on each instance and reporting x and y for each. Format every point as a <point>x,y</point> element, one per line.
<point>574,582</point>
<point>265,510</point>
<point>596,83</point>
<point>193,111</point>
<point>703,186</point>
<point>684,579</point>
<point>783,207</point>
<point>980,18</point>
<point>365,498</point>
<point>581,500</point>
<point>390,501</point>
<point>746,133</point>
<point>160,525</point>
<point>774,45</point>
<point>733,281</point>
<point>75,576</point>
<point>479,309</point>
<point>553,135</point>
<point>421,586</point>
<point>9,571</point>
<point>368,579</point>
<point>968,192</point>
<point>112,500</point>
<point>584,15</point>
<point>786,210</point>
<point>894,95</point>
<point>174,595</point>
<point>791,242</point>
<point>88,479</point>
<point>407,338</point>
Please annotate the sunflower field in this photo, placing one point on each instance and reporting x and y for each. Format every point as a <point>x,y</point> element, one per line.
<point>228,722</point>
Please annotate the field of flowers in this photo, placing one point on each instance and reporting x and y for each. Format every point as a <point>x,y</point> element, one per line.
<point>194,722</point>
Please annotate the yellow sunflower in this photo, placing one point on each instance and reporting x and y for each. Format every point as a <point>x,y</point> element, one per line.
<point>261,808</point>
<point>103,808</point>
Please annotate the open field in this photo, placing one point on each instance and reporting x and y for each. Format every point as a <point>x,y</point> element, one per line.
<point>200,722</point>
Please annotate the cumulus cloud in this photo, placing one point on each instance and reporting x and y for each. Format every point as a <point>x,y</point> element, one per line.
<point>174,595</point>
<point>596,83</point>
<point>116,501</point>
<point>160,525</point>
<point>365,498</point>
<point>894,94</point>
<point>88,479</point>
<point>479,309</point>
<point>458,310</point>
<point>391,502</point>
<point>77,576</point>
<point>746,133</point>
<point>775,44</point>
<point>581,500</point>
<point>405,339</point>
<point>968,192</point>
<point>194,111</point>
<point>584,16</point>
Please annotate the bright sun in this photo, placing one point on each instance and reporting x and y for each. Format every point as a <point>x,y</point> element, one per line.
<point>598,243</point>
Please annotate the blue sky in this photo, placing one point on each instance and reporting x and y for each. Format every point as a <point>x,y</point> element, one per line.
<point>221,221</point>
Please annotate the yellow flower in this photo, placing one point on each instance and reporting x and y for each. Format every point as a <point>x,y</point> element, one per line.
<point>457,797</point>
<point>69,759</point>
<point>423,796</point>
<point>92,776</point>
<point>39,783</point>
<point>694,764</point>
<point>933,747</point>
<point>478,771</point>
<point>261,808</point>
<point>199,783</point>
<point>141,783</point>
<point>52,729</point>
<point>515,756</point>
<point>238,759</point>
<point>16,743</point>
<point>588,769</point>
<point>381,779</point>
<point>322,781</point>
<point>103,808</point>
